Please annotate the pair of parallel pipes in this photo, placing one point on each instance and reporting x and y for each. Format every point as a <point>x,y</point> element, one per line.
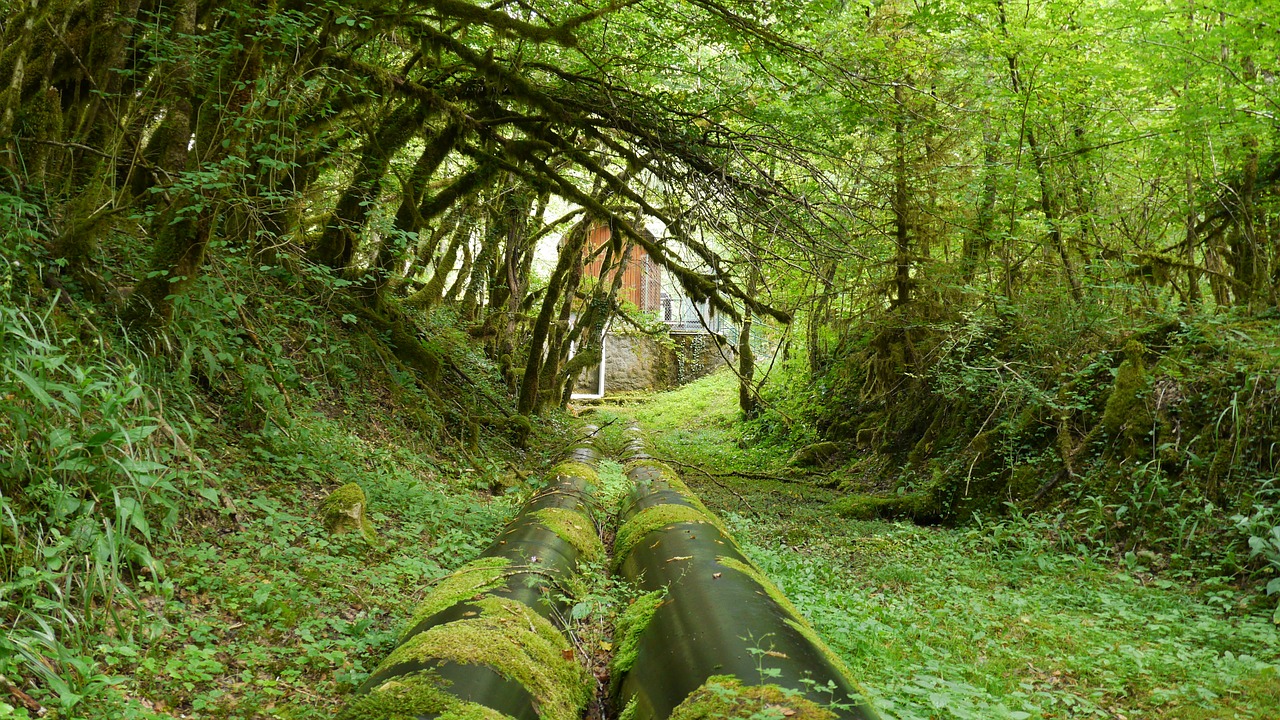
<point>710,637</point>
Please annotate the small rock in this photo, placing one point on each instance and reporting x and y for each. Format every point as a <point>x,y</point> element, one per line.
<point>344,511</point>
<point>819,453</point>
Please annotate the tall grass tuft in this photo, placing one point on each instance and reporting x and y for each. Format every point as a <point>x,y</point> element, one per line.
<point>90,477</point>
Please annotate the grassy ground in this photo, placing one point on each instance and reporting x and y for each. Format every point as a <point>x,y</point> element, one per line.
<point>221,595</point>
<point>980,622</point>
<point>264,614</point>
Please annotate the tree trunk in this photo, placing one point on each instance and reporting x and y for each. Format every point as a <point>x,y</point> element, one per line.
<point>408,220</point>
<point>338,243</point>
<point>570,255</point>
<point>977,244</point>
<point>747,400</point>
<point>1048,204</point>
<point>901,217</point>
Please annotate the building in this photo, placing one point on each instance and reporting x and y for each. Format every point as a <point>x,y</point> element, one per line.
<point>695,342</point>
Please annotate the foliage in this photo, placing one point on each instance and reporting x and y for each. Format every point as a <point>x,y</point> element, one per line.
<point>1008,617</point>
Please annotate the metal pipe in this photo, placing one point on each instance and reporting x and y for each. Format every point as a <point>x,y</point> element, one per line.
<point>487,642</point>
<point>712,636</point>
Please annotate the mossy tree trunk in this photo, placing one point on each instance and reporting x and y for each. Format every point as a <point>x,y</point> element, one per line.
<point>340,239</point>
<point>216,131</point>
<point>570,257</point>
<point>748,402</point>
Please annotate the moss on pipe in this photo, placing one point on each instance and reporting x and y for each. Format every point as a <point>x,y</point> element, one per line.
<point>765,584</point>
<point>515,641</point>
<point>476,577</point>
<point>797,620</point>
<point>697,656</point>
<point>627,630</point>
<point>407,697</point>
<point>666,475</point>
<point>723,696</point>
<point>487,633</point>
<point>654,518</point>
<point>629,712</point>
<point>577,470</point>
<point>575,529</point>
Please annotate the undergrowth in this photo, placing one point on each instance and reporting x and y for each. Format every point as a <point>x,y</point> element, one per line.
<point>1154,433</point>
<point>1008,616</point>
<point>161,548</point>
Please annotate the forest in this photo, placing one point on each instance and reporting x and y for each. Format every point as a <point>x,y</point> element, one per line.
<point>297,300</point>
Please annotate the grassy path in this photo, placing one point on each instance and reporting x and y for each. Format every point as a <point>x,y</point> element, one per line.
<point>985,622</point>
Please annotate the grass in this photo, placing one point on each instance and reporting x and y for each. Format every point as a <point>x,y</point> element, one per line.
<point>988,621</point>
<point>268,615</point>
<point>162,548</point>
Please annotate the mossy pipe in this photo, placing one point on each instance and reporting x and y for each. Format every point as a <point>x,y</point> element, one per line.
<point>487,642</point>
<point>710,625</point>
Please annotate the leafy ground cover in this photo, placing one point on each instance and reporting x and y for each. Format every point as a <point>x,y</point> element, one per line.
<point>989,620</point>
<point>161,541</point>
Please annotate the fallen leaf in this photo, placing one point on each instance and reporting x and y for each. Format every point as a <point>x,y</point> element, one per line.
<point>679,557</point>
<point>716,576</point>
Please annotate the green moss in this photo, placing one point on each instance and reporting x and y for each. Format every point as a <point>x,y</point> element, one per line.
<point>723,697</point>
<point>667,475</point>
<point>413,695</point>
<point>515,641</point>
<point>628,629</point>
<point>769,588</point>
<point>1124,405</point>
<point>796,620</point>
<point>575,529</point>
<point>629,711</point>
<point>819,453</point>
<point>922,506</point>
<point>476,577</point>
<point>656,518</point>
<point>577,470</point>
<point>344,510</point>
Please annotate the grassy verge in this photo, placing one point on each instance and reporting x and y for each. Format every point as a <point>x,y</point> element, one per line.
<point>989,621</point>
<point>162,552</point>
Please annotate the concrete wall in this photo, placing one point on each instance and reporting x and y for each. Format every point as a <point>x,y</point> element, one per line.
<point>636,362</point>
<point>640,363</point>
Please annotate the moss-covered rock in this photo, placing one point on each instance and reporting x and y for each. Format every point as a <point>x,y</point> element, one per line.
<point>724,697</point>
<point>517,643</point>
<point>575,529</point>
<point>868,507</point>
<point>1125,407</point>
<point>820,453</point>
<point>344,510</point>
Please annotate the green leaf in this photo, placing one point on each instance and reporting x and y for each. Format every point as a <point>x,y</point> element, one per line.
<point>36,387</point>
<point>102,437</point>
